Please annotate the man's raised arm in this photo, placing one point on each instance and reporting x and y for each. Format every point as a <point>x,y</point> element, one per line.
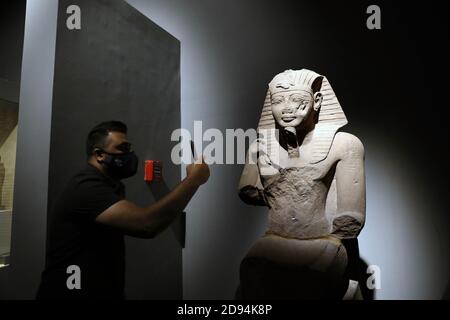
<point>149,221</point>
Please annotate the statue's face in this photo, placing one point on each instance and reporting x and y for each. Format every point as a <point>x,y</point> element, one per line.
<point>291,108</point>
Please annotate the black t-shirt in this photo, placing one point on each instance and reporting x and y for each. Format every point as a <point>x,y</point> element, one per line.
<point>75,238</point>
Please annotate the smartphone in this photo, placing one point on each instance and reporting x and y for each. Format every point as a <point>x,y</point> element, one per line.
<point>194,154</point>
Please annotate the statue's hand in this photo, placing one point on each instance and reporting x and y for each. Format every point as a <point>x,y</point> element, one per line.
<point>347,226</point>
<point>258,154</point>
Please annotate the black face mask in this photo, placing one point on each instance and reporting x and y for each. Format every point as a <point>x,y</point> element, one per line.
<point>121,165</point>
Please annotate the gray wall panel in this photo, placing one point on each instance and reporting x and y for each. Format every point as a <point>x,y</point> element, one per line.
<point>120,66</point>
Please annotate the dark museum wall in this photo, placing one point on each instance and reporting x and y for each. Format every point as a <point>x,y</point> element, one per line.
<point>12,23</point>
<point>390,82</point>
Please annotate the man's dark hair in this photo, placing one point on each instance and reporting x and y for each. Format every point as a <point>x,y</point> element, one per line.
<point>97,136</point>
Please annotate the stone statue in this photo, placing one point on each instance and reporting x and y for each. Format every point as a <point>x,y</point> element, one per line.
<point>312,179</point>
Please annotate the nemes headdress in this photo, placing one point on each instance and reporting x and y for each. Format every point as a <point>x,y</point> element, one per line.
<point>331,115</point>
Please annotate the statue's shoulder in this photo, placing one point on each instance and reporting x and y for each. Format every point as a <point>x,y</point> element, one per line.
<point>348,143</point>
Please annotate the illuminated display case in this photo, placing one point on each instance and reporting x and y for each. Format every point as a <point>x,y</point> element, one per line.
<point>8,144</point>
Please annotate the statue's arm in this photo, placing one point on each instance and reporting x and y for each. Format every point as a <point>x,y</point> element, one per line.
<point>251,190</point>
<point>350,188</point>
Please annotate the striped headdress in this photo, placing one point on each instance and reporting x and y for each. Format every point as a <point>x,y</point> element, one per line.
<point>331,115</point>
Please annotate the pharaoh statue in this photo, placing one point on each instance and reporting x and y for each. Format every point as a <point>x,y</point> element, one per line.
<point>311,177</point>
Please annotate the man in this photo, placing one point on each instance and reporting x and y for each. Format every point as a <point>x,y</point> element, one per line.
<point>92,216</point>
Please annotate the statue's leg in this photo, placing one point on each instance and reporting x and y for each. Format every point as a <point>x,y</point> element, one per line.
<point>279,268</point>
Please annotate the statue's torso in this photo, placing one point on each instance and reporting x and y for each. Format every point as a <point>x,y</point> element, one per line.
<point>297,198</point>
<point>296,194</point>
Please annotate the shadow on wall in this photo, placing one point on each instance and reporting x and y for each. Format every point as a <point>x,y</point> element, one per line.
<point>446,295</point>
<point>367,293</point>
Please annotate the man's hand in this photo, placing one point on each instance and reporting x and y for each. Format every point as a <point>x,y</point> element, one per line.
<point>198,172</point>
